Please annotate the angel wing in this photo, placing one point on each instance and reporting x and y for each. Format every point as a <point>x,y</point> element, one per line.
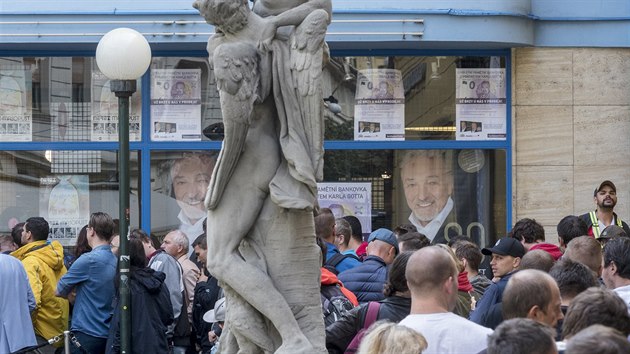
<point>307,53</point>
<point>238,80</point>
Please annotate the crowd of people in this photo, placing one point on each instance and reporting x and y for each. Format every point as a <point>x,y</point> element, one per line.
<point>395,292</point>
<point>572,296</point>
<point>53,292</point>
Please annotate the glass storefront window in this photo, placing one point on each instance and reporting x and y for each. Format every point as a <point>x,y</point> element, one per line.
<point>60,99</point>
<point>64,187</point>
<point>464,189</point>
<point>66,99</point>
<point>179,182</point>
<point>415,98</point>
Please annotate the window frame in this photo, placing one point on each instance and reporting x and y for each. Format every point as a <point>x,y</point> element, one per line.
<point>146,146</point>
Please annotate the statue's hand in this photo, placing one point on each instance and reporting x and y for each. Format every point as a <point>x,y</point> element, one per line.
<point>267,34</point>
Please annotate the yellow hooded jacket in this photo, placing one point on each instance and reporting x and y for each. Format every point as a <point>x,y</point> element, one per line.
<point>44,266</point>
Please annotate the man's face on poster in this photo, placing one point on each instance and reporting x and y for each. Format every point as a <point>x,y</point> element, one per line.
<point>483,90</point>
<point>428,183</point>
<point>178,89</point>
<point>191,177</point>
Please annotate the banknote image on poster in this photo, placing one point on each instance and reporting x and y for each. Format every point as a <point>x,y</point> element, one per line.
<point>175,104</point>
<point>65,203</point>
<point>348,199</point>
<point>480,104</point>
<point>379,110</point>
<point>15,104</point>
<point>104,124</point>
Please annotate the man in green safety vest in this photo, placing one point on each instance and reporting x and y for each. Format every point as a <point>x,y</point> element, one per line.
<point>605,197</point>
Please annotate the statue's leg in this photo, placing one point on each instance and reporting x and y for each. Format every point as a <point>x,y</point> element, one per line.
<point>250,282</point>
<point>232,220</point>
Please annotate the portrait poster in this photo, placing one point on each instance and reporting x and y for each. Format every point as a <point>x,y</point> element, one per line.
<point>379,109</point>
<point>348,199</point>
<point>176,104</point>
<point>104,124</point>
<point>481,112</point>
<point>64,201</point>
<point>16,118</point>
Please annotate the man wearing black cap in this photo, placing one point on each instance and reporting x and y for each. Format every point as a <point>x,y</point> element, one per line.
<point>506,258</point>
<point>605,198</point>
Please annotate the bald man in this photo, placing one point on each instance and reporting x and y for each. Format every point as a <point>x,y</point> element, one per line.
<point>432,279</point>
<point>533,294</point>
<point>586,250</point>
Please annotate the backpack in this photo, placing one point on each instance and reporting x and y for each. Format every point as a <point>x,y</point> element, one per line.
<point>370,318</point>
<point>334,303</point>
<point>332,262</point>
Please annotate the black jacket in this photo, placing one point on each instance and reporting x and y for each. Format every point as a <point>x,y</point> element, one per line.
<point>206,295</point>
<point>339,334</point>
<point>151,312</point>
<point>589,224</point>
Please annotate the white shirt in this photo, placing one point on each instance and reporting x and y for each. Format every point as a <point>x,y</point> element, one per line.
<point>192,231</point>
<point>624,294</point>
<point>432,228</point>
<point>448,333</point>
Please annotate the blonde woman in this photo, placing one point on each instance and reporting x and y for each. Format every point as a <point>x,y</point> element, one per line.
<point>388,338</point>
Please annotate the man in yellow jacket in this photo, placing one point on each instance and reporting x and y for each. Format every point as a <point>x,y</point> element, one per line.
<point>43,262</point>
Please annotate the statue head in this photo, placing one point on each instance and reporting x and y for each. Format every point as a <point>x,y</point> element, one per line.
<point>229,16</point>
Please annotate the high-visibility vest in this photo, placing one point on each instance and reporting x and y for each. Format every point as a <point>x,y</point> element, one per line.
<point>595,223</point>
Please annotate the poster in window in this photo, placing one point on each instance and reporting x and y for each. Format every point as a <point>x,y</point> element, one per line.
<point>16,119</point>
<point>379,110</point>
<point>348,199</point>
<point>480,104</point>
<point>104,124</point>
<point>64,201</point>
<point>445,193</point>
<point>176,104</point>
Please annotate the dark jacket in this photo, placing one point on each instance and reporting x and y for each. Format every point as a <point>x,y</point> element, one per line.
<point>206,295</point>
<point>366,280</point>
<point>151,312</point>
<point>589,224</point>
<point>488,312</point>
<point>340,333</point>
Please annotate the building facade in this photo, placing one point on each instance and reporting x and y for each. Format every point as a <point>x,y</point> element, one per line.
<point>519,107</point>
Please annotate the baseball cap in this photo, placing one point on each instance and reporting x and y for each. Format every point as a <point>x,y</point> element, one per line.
<point>612,231</point>
<point>218,314</point>
<point>605,183</point>
<point>384,235</point>
<point>506,246</point>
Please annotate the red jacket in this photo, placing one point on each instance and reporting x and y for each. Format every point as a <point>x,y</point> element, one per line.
<point>553,250</point>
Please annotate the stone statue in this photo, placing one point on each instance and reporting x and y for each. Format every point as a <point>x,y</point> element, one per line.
<point>261,237</point>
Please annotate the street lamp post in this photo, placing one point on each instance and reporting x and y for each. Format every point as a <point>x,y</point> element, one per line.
<point>123,55</point>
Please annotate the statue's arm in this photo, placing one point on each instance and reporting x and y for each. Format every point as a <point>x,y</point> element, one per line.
<point>294,16</point>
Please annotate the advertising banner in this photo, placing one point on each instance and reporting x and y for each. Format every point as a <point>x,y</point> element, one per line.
<point>16,119</point>
<point>480,104</point>
<point>104,125</point>
<point>176,104</point>
<point>348,199</point>
<point>379,110</point>
<point>64,201</point>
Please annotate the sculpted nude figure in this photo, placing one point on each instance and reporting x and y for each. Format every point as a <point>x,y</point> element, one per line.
<point>252,153</point>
